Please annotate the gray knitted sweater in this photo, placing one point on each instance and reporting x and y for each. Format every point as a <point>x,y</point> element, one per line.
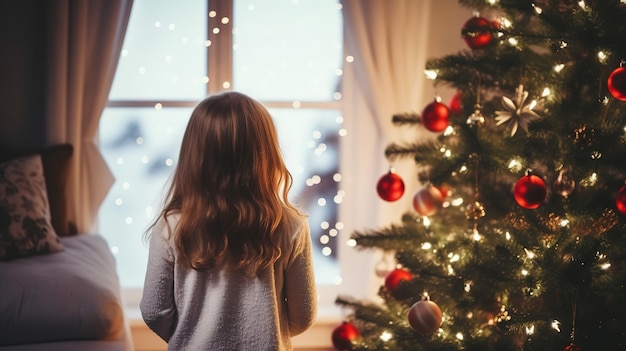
<point>227,310</point>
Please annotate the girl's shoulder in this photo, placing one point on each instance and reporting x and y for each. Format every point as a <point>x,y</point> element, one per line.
<point>165,225</point>
<point>294,222</point>
<point>295,237</point>
<point>295,229</point>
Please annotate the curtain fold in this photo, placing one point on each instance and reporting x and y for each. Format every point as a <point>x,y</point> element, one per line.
<point>388,41</point>
<point>84,44</point>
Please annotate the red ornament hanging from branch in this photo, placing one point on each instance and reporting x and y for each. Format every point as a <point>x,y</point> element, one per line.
<point>477,32</point>
<point>617,83</point>
<point>393,279</point>
<point>620,200</point>
<point>530,191</point>
<point>390,187</point>
<point>436,116</point>
<point>456,103</point>
<point>344,335</point>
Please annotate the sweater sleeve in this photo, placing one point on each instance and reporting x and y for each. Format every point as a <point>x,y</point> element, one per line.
<point>157,303</point>
<point>300,288</point>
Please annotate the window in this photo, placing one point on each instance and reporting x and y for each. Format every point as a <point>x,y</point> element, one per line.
<point>285,53</point>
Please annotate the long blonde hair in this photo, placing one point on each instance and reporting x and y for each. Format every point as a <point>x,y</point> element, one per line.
<point>230,186</point>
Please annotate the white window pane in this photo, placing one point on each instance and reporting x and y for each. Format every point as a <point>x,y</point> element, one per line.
<point>140,146</point>
<point>164,54</point>
<point>287,50</point>
<point>310,142</point>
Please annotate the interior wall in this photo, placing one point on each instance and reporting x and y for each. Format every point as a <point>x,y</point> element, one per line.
<point>447,19</point>
<point>22,72</point>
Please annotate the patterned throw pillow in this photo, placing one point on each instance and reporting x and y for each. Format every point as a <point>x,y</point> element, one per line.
<point>25,227</point>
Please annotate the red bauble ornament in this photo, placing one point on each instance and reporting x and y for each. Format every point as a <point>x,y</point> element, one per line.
<point>477,32</point>
<point>425,317</point>
<point>390,187</point>
<point>428,200</point>
<point>620,200</point>
<point>393,279</point>
<point>530,191</point>
<point>456,105</point>
<point>344,335</point>
<point>436,116</point>
<point>617,83</point>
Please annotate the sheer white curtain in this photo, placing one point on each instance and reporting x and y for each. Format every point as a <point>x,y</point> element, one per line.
<point>390,42</point>
<point>84,44</point>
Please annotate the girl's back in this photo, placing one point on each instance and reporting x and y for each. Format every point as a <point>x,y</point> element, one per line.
<point>230,265</point>
<point>223,309</point>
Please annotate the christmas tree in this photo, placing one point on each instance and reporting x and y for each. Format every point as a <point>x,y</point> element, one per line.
<point>517,239</point>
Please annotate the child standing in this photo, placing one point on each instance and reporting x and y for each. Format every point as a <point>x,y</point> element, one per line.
<point>230,263</point>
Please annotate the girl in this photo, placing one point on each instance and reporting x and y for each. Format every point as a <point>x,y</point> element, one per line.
<point>230,264</point>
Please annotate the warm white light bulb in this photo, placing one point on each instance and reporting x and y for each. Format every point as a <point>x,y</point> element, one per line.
<point>386,336</point>
<point>430,74</point>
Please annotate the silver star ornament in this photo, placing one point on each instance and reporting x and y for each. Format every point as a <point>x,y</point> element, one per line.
<point>517,112</point>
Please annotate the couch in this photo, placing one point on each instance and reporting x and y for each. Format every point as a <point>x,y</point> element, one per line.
<point>59,289</point>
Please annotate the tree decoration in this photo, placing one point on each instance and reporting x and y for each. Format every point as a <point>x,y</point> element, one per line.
<point>563,184</point>
<point>530,191</point>
<point>477,32</point>
<point>475,210</point>
<point>600,225</point>
<point>517,112</point>
<point>436,116</point>
<point>617,83</point>
<point>584,137</point>
<point>382,267</point>
<point>456,104</point>
<point>393,279</point>
<point>476,118</point>
<point>425,317</point>
<point>344,335</point>
<point>390,187</point>
<point>620,200</point>
<point>572,346</point>
<point>428,200</point>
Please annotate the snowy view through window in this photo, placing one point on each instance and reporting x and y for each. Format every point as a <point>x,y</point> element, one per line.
<point>292,64</point>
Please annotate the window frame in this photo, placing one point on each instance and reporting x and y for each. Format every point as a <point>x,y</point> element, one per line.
<point>220,70</point>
